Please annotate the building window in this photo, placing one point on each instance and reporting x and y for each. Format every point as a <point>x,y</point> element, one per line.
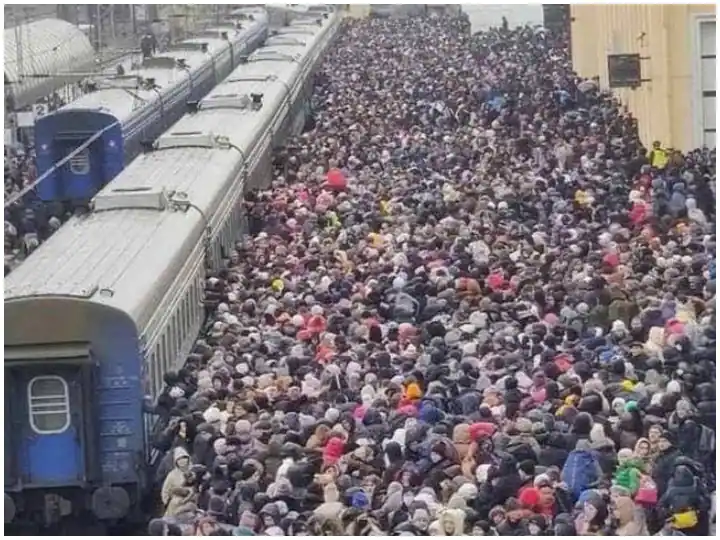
<point>48,404</point>
<point>707,82</point>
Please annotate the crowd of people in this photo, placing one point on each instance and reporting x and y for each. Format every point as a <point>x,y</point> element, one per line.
<point>469,304</point>
<point>29,221</point>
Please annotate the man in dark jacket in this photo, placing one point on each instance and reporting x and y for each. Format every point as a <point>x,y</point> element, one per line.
<point>665,463</point>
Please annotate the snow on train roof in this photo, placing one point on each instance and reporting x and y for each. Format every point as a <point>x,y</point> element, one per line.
<point>121,99</point>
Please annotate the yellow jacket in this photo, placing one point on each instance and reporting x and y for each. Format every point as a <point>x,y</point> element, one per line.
<point>659,158</point>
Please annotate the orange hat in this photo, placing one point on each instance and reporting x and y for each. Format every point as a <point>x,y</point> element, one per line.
<point>413,391</point>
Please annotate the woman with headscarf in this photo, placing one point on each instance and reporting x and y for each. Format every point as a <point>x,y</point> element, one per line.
<point>630,520</point>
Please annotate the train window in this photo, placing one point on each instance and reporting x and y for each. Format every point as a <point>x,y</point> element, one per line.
<point>157,368</point>
<point>188,309</point>
<point>147,375</point>
<point>169,347</point>
<point>194,301</point>
<point>175,334</point>
<point>153,372</point>
<point>177,330</point>
<point>172,332</point>
<point>163,354</point>
<point>182,326</point>
<point>49,404</point>
<point>80,162</point>
<point>166,350</point>
<point>152,386</point>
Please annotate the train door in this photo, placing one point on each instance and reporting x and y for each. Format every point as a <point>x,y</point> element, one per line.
<point>51,420</point>
<point>82,175</point>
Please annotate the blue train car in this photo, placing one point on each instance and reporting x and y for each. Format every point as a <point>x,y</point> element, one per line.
<point>73,429</point>
<point>124,112</point>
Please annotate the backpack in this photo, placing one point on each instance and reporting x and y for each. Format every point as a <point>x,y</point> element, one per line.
<point>580,471</point>
<point>707,440</point>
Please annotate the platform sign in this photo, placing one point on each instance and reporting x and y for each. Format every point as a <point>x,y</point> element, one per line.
<point>40,110</point>
<point>624,70</point>
<point>25,119</point>
<point>141,13</point>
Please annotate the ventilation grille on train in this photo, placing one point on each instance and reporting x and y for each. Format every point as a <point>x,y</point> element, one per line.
<point>284,40</point>
<point>186,139</point>
<point>273,56</point>
<point>227,101</point>
<point>138,197</point>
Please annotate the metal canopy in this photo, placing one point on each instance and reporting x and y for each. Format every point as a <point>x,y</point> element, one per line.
<point>41,56</point>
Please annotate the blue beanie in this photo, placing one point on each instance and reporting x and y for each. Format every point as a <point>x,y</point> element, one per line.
<point>360,500</point>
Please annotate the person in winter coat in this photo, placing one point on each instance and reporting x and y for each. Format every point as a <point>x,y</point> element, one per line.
<point>332,508</point>
<point>182,502</point>
<point>515,522</point>
<point>441,333</point>
<point>582,469</point>
<point>177,476</point>
<point>461,439</point>
<point>629,471</point>
<point>663,468</point>
<point>677,203</point>
<point>554,453</point>
<point>451,522</point>
<point>642,454</point>
<point>685,502</point>
<point>505,480</point>
<point>630,521</point>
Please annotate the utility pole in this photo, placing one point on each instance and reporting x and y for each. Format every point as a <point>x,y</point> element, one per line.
<point>93,21</point>
<point>112,22</point>
<point>99,26</point>
<point>19,50</point>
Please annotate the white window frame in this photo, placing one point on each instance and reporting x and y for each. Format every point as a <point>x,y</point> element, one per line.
<point>31,413</point>
<point>74,162</point>
<point>698,128</point>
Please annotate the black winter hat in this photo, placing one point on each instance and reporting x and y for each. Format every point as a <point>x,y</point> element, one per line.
<point>582,424</point>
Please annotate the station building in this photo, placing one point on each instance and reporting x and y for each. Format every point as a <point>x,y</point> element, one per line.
<point>659,59</point>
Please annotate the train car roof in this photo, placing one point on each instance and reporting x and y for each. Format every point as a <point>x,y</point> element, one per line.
<point>145,224</point>
<point>121,97</point>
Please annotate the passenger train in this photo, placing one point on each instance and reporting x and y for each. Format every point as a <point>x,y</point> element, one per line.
<point>113,300</point>
<point>126,111</point>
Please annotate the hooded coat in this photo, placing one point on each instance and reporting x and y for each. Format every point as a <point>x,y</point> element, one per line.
<point>176,477</point>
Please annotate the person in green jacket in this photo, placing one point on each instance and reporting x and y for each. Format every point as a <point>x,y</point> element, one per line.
<point>629,471</point>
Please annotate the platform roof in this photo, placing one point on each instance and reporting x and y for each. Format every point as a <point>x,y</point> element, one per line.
<point>50,47</point>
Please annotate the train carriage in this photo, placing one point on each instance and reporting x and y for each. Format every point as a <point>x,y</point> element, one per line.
<point>111,123</point>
